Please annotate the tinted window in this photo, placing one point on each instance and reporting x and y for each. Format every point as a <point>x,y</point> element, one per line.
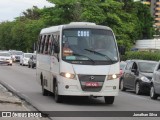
<point>39,43</point>
<point>158,67</point>
<point>46,45</point>
<point>28,55</point>
<point>129,65</point>
<point>122,65</point>
<point>147,67</point>
<point>42,44</point>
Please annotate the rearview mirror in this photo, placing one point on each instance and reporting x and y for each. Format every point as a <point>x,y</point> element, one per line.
<point>122,49</point>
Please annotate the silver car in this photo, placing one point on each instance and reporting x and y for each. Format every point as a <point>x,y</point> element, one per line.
<point>5,58</point>
<point>155,85</point>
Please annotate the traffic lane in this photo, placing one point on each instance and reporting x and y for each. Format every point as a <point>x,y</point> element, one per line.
<point>23,79</point>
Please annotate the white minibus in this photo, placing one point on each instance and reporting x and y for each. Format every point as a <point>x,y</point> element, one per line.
<point>78,59</point>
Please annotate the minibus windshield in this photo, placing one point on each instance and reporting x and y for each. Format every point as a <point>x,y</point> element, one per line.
<point>88,45</point>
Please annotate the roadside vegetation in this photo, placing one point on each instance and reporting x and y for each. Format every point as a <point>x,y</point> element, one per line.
<point>129,20</point>
<point>142,55</point>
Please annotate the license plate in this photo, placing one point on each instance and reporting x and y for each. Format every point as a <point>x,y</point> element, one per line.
<point>91,84</point>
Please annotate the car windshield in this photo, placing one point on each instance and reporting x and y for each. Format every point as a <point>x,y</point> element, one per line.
<point>16,52</point>
<point>28,55</point>
<point>147,67</point>
<point>89,45</point>
<point>5,54</point>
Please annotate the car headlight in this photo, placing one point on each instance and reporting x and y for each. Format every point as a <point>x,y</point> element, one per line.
<point>10,61</point>
<point>113,76</point>
<point>68,75</point>
<point>145,79</point>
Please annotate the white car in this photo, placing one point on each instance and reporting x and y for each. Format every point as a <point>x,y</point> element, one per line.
<point>5,58</point>
<point>25,58</point>
<point>16,55</point>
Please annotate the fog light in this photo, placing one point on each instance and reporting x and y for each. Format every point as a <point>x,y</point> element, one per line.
<point>114,87</point>
<point>67,86</point>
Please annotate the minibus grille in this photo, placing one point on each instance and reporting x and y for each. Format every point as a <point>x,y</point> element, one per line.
<point>98,79</point>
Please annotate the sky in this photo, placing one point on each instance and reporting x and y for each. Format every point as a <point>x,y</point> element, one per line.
<point>9,9</point>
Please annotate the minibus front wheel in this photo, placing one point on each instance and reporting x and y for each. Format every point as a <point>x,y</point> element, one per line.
<point>44,91</point>
<point>57,97</point>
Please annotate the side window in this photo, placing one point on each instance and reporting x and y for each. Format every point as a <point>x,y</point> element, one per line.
<point>52,44</point>
<point>39,44</point>
<point>158,68</point>
<point>134,66</point>
<point>42,44</point>
<point>57,40</point>
<point>56,37</point>
<point>46,44</point>
<point>129,66</point>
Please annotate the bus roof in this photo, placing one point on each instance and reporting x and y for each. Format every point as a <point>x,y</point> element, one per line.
<point>73,25</point>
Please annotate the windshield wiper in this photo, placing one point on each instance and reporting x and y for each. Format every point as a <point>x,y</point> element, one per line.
<point>95,52</point>
<point>84,56</point>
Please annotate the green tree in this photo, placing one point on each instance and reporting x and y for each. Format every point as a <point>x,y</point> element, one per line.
<point>125,17</point>
<point>6,41</point>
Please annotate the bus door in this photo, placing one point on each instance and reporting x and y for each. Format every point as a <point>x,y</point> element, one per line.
<point>54,59</point>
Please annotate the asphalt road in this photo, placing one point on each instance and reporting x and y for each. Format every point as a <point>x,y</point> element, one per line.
<point>23,80</point>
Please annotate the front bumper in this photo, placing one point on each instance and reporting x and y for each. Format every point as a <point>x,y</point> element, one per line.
<point>6,62</point>
<point>25,63</point>
<point>145,86</point>
<point>17,59</point>
<point>75,88</point>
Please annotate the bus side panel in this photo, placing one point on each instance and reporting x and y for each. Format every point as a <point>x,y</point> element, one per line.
<point>54,72</point>
<point>43,69</point>
<point>38,71</point>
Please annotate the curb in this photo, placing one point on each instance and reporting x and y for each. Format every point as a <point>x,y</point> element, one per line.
<point>21,97</point>
<point>11,102</point>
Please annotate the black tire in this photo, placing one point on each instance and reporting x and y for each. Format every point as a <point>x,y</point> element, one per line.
<point>153,95</point>
<point>121,85</point>
<point>44,91</point>
<point>109,99</point>
<point>32,66</point>
<point>58,98</point>
<point>138,88</point>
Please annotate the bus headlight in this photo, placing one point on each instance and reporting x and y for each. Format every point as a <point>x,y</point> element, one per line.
<point>68,75</point>
<point>113,76</point>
